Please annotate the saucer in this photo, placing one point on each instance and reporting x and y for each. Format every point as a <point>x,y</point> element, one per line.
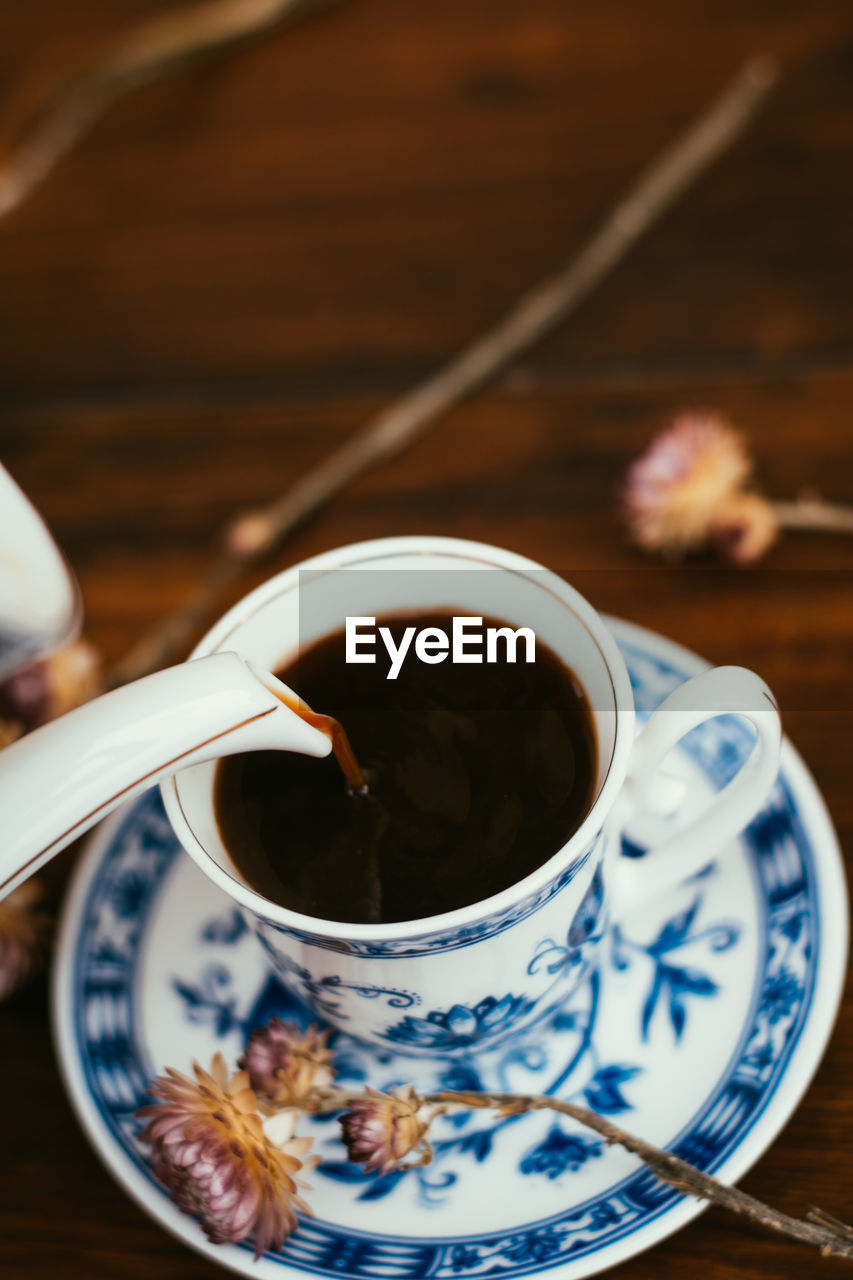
<point>700,1032</point>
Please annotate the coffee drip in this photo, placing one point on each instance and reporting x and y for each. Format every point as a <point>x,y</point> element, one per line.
<point>337,735</point>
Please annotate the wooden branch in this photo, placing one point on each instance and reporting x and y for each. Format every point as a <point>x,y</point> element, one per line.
<point>142,54</point>
<point>810,511</point>
<point>828,1234</point>
<point>530,319</point>
<point>831,1237</point>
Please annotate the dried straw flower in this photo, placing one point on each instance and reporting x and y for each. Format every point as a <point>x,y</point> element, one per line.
<point>689,483</point>
<point>23,936</point>
<point>285,1064</point>
<point>235,1172</point>
<point>380,1129</point>
<point>220,1161</point>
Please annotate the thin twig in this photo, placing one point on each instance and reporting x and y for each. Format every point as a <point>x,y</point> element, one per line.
<point>825,1219</point>
<point>811,512</point>
<point>828,1234</point>
<point>532,317</point>
<point>830,1238</point>
<point>138,56</point>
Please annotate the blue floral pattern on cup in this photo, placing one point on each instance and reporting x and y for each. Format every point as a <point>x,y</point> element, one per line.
<point>544,977</point>
<point>460,1027</point>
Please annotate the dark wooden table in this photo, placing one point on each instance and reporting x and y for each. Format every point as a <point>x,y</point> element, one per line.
<point>239,265</point>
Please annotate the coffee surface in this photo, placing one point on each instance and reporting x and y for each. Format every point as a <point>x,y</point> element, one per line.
<point>476,775</point>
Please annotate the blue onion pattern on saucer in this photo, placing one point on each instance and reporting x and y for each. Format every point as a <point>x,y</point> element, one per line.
<point>699,1030</point>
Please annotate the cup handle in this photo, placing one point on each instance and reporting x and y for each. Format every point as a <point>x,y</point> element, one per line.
<point>683,842</point>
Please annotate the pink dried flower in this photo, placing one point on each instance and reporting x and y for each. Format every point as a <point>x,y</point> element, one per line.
<point>49,688</point>
<point>674,492</point>
<point>220,1161</point>
<point>23,936</point>
<point>745,528</point>
<point>381,1128</point>
<point>286,1063</point>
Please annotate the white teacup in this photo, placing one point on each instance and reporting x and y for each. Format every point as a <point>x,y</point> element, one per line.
<point>466,980</point>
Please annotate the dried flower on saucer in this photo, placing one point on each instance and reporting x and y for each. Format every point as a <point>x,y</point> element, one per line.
<point>23,936</point>
<point>221,1161</point>
<point>381,1129</point>
<point>225,1165</point>
<point>285,1064</point>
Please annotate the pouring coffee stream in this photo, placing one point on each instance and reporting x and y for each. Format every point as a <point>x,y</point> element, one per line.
<point>336,733</point>
<point>64,777</point>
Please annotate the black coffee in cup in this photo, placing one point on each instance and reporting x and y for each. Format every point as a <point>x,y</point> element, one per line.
<point>476,774</point>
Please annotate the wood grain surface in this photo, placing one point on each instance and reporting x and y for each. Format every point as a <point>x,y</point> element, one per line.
<point>242,263</point>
